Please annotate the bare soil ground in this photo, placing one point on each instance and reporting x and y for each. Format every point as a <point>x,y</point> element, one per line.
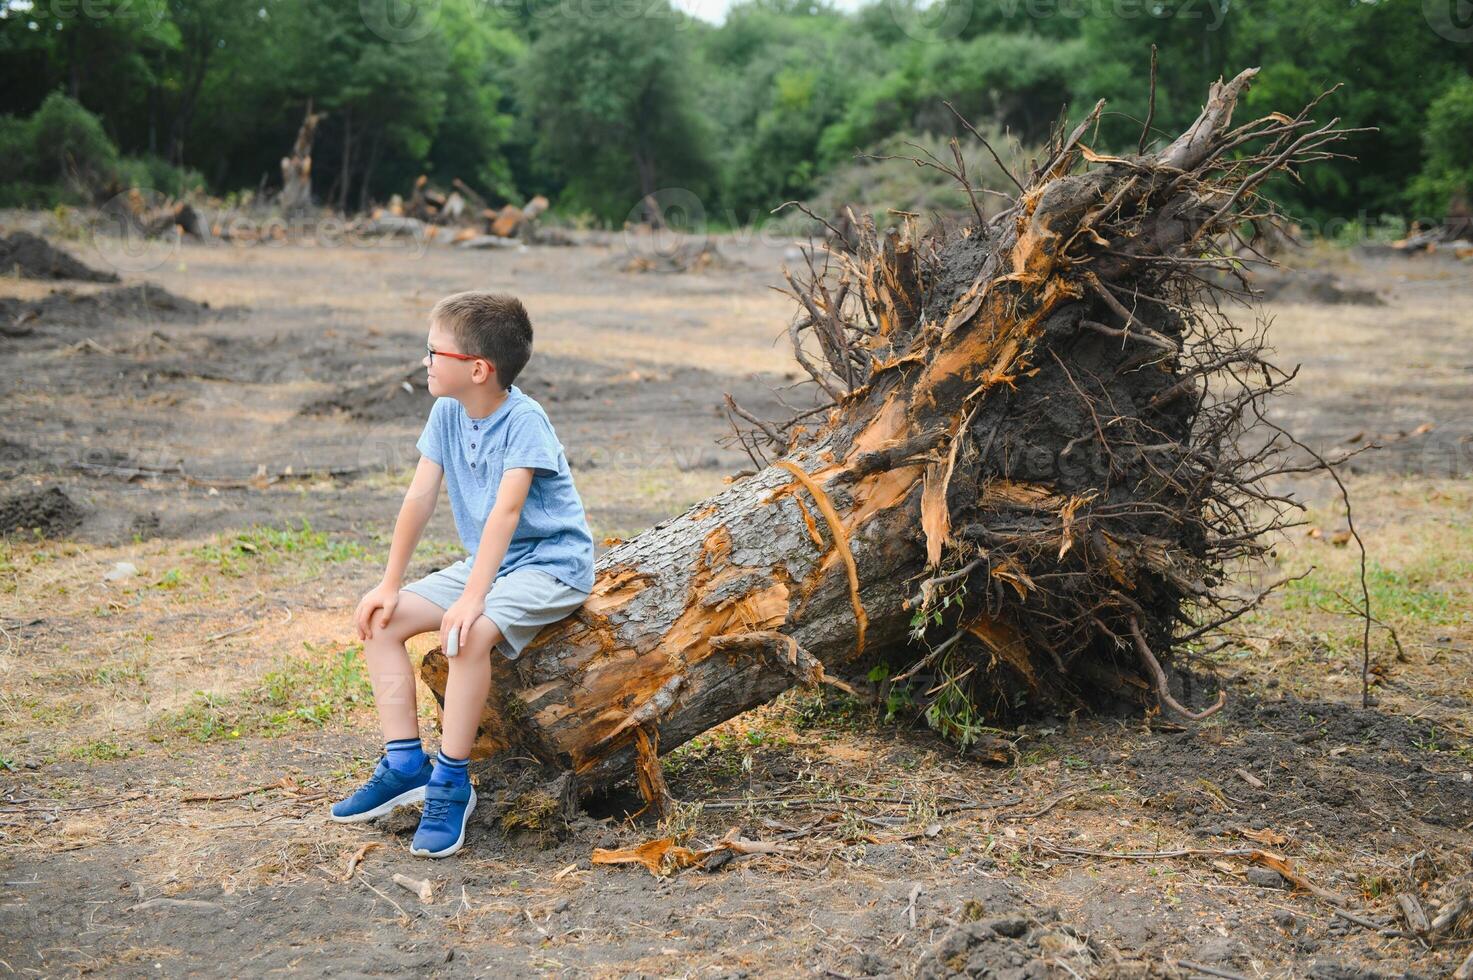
<point>170,738</point>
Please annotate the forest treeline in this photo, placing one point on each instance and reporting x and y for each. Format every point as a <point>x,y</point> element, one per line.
<point>597,102</point>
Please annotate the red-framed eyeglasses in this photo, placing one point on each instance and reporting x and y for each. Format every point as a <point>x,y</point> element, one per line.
<point>445,353</point>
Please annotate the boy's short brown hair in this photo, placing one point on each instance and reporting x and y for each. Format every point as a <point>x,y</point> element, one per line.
<point>490,325</point>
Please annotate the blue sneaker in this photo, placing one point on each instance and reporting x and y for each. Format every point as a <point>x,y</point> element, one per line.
<point>442,825</point>
<point>387,789</point>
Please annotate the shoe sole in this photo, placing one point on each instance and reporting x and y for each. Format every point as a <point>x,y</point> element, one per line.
<point>459,841</point>
<point>416,795</point>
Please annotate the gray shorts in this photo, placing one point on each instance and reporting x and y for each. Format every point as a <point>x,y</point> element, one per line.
<point>520,602</point>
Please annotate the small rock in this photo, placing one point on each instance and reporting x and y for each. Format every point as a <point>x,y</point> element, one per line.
<point>1264,877</point>
<point>120,571</point>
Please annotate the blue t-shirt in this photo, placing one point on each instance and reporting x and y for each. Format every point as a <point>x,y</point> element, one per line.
<point>552,534</point>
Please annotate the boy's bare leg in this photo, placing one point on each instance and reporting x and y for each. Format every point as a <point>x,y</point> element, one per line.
<point>389,669</point>
<point>467,687</point>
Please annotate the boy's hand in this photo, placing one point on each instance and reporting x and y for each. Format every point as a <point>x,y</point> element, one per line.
<point>462,613</point>
<point>383,597</point>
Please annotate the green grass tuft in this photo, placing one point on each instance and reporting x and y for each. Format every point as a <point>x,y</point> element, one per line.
<point>327,685</point>
<point>235,554</point>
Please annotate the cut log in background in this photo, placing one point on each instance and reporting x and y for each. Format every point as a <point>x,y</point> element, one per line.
<point>1030,488</point>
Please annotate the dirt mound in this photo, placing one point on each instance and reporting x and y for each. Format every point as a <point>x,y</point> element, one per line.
<point>690,257</point>
<point>568,382</point>
<point>1325,769</point>
<point>1311,286</point>
<point>46,513</point>
<point>1018,946</point>
<point>177,355</point>
<point>140,302</point>
<point>66,308</point>
<point>397,395</point>
<point>32,257</point>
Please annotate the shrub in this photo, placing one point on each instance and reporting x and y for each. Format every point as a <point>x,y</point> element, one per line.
<point>69,145</point>
<point>1447,153</point>
<point>155,173</point>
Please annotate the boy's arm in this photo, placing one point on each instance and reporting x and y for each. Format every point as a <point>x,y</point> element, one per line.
<point>377,607</point>
<point>414,514</point>
<point>511,493</point>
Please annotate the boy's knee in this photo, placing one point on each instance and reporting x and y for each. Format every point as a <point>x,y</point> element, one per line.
<point>395,632</point>
<point>483,638</point>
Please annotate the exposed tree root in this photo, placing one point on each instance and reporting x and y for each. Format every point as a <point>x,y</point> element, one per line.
<point>1041,449</point>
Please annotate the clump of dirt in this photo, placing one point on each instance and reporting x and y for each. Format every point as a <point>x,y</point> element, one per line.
<point>32,257</point>
<point>1310,286</point>
<point>13,456</point>
<point>46,513</point>
<point>1021,947</point>
<point>1326,771</point>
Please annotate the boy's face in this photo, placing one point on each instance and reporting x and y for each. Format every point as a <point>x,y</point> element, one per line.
<point>453,376</point>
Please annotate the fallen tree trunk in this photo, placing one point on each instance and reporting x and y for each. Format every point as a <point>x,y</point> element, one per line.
<point>1027,490</point>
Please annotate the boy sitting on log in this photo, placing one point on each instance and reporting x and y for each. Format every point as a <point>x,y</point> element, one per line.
<point>529,562</point>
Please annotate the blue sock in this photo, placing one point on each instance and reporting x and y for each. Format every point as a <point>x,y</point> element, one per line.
<point>456,772</point>
<point>406,755</point>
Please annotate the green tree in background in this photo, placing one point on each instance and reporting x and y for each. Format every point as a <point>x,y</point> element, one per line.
<point>776,74</point>
<point>597,103</point>
<point>384,101</point>
<point>1017,80</point>
<point>473,142</point>
<point>1391,61</point>
<point>608,95</point>
<point>1446,179</point>
<point>1392,65</point>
